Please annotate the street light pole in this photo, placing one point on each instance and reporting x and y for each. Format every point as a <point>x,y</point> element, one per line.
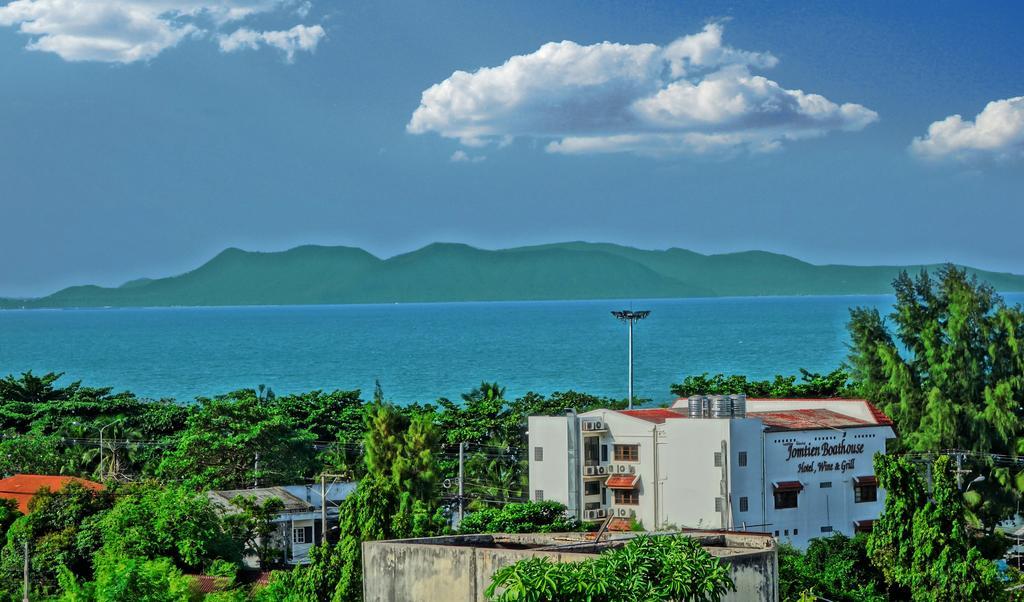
<point>631,317</point>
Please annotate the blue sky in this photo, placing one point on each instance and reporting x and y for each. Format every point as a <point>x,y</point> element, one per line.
<point>144,149</point>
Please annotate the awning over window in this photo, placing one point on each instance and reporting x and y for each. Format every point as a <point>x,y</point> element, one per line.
<point>869,480</point>
<point>622,481</point>
<point>863,525</point>
<point>788,486</point>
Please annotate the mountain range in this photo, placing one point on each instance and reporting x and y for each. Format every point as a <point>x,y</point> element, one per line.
<point>457,272</point>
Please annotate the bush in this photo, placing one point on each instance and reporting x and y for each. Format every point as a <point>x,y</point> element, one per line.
<point>527,517</point>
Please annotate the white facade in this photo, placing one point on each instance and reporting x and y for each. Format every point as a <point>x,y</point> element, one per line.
<point>665,469</point>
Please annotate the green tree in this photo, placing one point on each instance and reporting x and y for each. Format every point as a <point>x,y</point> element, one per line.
<point>836,568</point>
<point>236,440</point>
<point>150,520</point>
<point>922,542</point>
<point>60,531</point>
<point>950,374</point>
<point>527,517</point>
<point>391,501</point>
<point>254,526</point>
<point>812,385</point>
<point>126,579</point>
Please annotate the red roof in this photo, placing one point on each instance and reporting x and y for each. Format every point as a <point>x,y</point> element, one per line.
<point>878,415</point>
<point>807,420</point>
<point>622,481</point>
<point>788,486</point>
<point>23,487</point>
<point>656,415</point>
<point>868,480</point>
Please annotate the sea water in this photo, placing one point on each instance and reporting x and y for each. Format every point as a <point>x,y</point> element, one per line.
<point>420,352</point>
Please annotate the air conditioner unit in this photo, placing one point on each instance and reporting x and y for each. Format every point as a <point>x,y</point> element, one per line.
<point>623,469</point>
<point>601,513</point>
<point>587,426</point>
<point>597,426</point>
<point>601,470</point>
<point>632,469</point>
<point>632,513</point>
<point>611,469</point>
<point>589,514</point>
<point>623,512</point>
<point>589,471</point>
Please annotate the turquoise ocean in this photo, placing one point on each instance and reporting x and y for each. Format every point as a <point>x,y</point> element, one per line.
<point>420,352</point>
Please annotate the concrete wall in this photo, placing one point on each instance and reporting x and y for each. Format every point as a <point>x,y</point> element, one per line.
<point>550,475</point>
<point>452,569</point>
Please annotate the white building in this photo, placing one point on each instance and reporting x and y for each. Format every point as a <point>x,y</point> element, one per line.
<point>796,468</point>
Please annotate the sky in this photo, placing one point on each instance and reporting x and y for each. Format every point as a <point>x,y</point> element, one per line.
<point>141,137</point>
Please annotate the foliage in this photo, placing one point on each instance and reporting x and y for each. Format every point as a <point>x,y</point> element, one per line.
<point>950,373</point>
<point>922,543</point>
<point>811,385</point>
<point>236,440</point>
<point>647,569</point>
<point>127,579</point>
<point>151,521</point>
<point>254,526</point>
<point>836,568</point>
<point>527,517</point>
<point>35,453</point>
<point>391,501</point>
<point>60,530</point>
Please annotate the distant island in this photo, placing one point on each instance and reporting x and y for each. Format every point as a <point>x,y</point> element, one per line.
<point>455,272</point>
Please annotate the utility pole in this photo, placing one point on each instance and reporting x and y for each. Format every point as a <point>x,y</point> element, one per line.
<point>24,596</point>
<point>462,448</point>
<point>256,472</point>
<point>323,508</point>
<point>631,317</point>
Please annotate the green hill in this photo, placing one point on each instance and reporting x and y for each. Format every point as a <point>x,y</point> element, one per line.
<point>454,272</point>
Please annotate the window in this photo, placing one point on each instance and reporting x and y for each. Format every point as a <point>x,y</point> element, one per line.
<point>744,504</point>
<point>627,453</point>
<point>786,532</point>
<point>796,532</point>
<point>604,453</point>
<point>825,484</point>
<point>719,504</point>
<point>743,459</point>
<point>592,506</point>
<point>538,495</point>
<point>538,454</point>
<point>776,534</point>
<point>718,459</point>
<point>302,534</point>
<point>865,493</point>
<point>592,488</point>
<point>591,451</point>
<point>785,499</point>
<point>626,497</point>
<point>826,529</point>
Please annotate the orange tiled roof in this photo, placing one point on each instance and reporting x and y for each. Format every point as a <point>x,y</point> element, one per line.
<point>622,481</point>
<point>23,487</point>
<point>807,420</point>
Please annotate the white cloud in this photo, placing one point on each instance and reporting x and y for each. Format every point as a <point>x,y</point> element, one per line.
<point>461,156</point>
<point>126,31</point>
<point>694,95</point>
<point>289,41</point>
<point>996,133</point>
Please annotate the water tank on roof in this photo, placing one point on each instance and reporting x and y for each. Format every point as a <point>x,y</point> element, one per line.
<point>721,406</point>
<point>739,405</point>
<point>696,406</point>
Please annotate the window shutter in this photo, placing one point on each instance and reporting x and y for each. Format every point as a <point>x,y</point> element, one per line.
<point>307,532</point>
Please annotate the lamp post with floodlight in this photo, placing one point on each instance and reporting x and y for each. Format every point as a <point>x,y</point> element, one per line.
<point>630,316</point>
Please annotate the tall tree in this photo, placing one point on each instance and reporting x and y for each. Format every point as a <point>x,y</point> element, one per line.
<point>950,372</point>
<point>922,542</point>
